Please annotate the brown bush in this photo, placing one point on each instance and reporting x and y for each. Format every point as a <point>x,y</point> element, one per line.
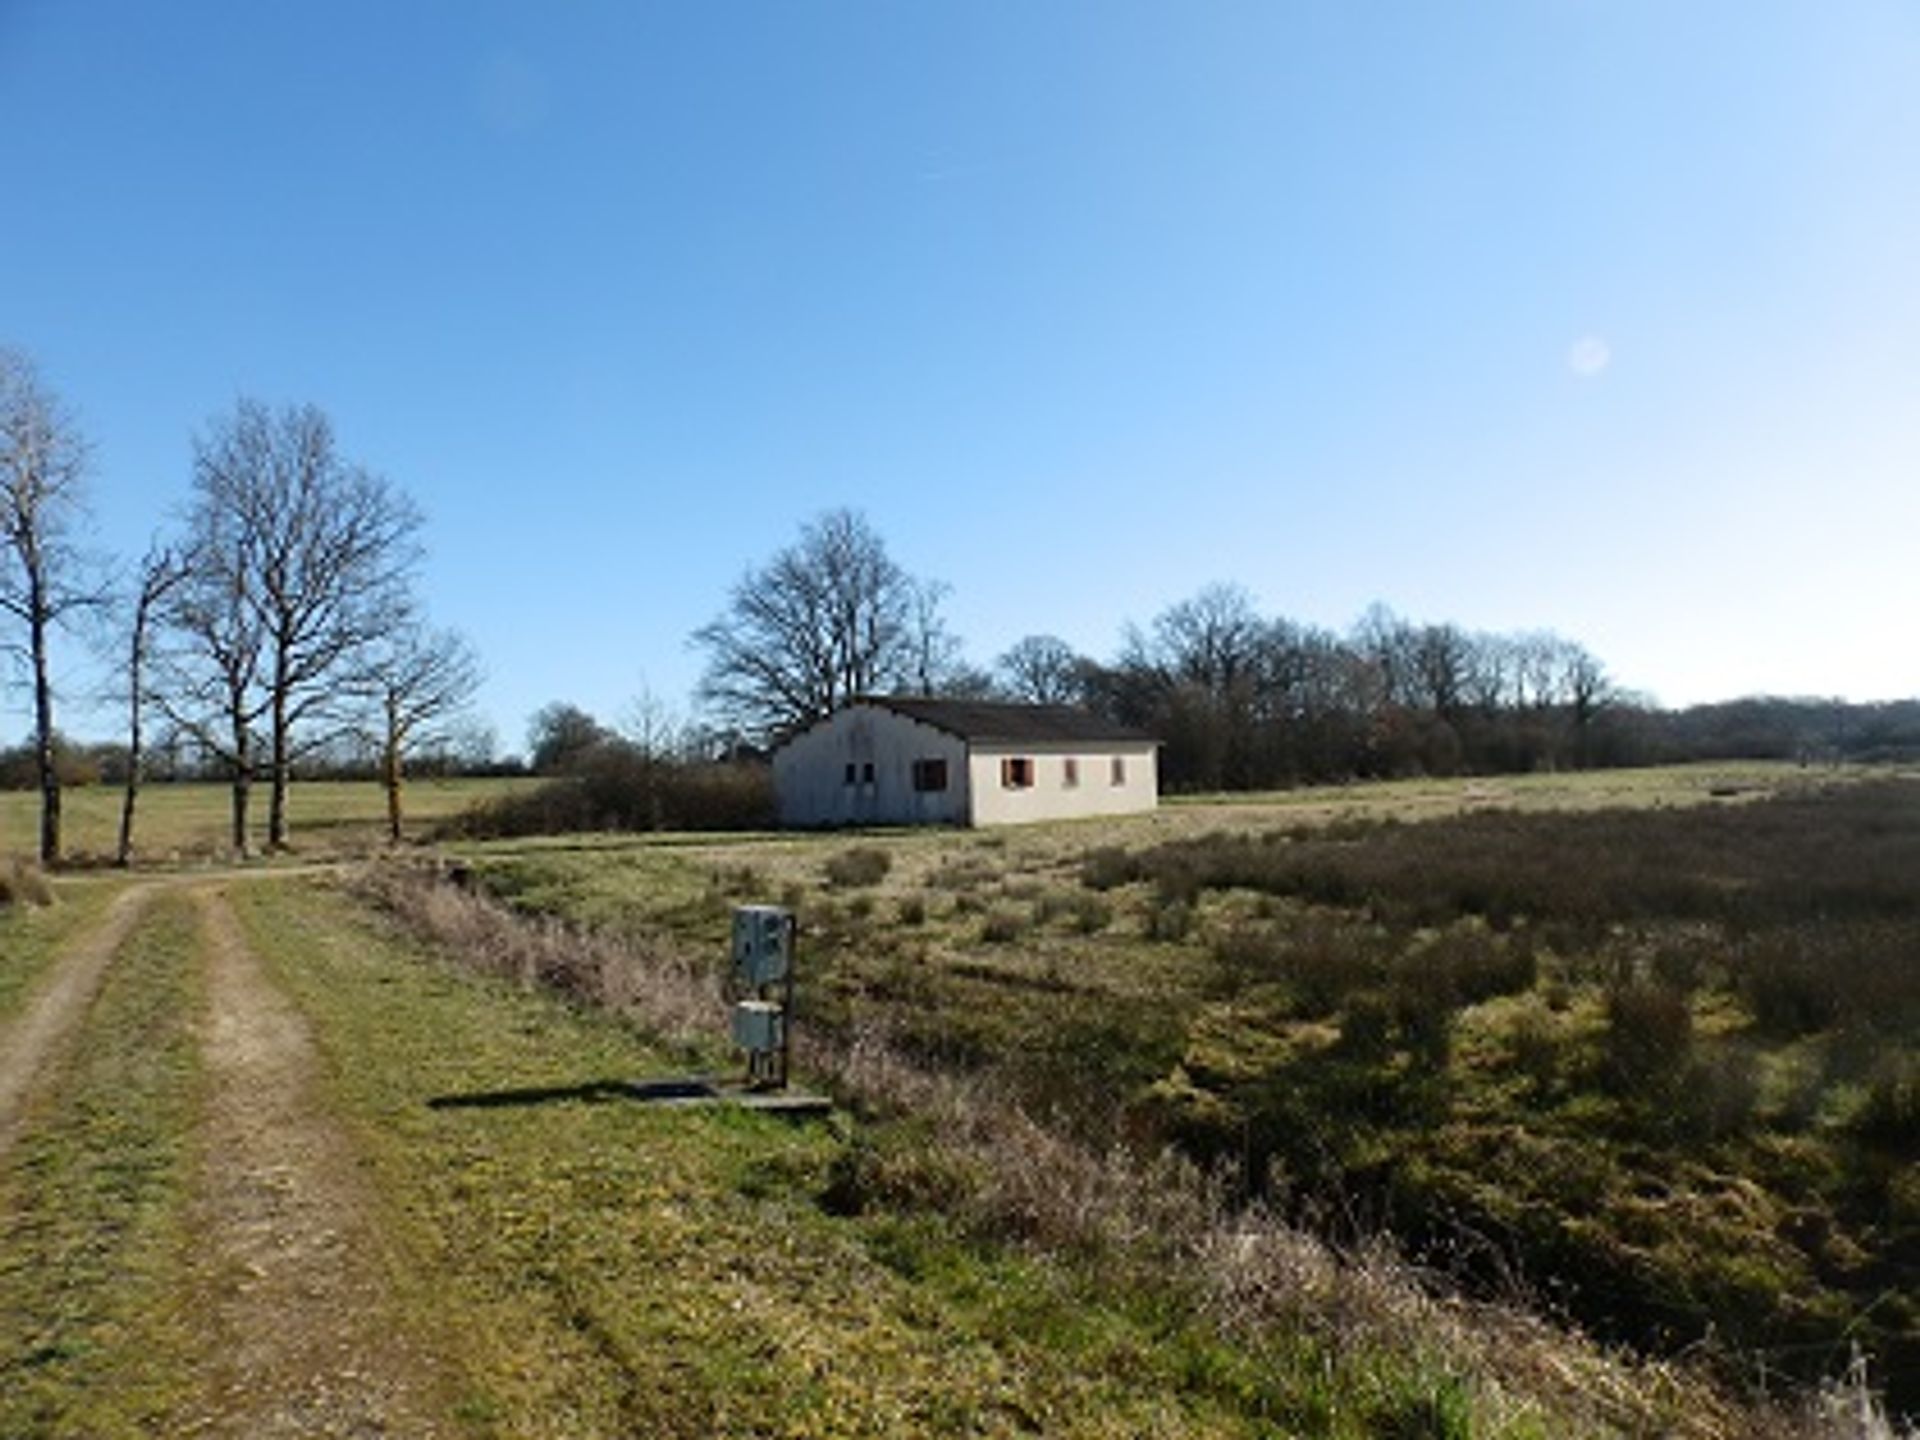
<point>23,883</point>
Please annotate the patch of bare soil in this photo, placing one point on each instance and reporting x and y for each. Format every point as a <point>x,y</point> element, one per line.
<point>293,1257</point>
<point>57,1009</point>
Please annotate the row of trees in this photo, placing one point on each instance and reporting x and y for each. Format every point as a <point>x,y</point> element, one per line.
<point>281,616</point>
<point>1240,699</point>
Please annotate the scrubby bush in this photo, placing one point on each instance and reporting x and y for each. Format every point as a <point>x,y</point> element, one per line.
<point>1649,1036</point>
<point>617,787</point>
<point>1091,914</point>
<point>1718,1092</point>
<point>1107,868</point>
<point>862,865</point>
<point>1536,1045</point>
<point>1002,926</point>
<point>22,883</point>
<point>1169,918</point>
<point>1891,1114</point>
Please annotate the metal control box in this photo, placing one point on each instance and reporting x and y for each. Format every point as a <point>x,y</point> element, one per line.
<point>762,944</point>
<point>759,1026</point>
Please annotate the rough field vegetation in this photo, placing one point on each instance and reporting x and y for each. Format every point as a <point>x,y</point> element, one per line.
<point>1652,1068</point>
<point>1091,1077</point>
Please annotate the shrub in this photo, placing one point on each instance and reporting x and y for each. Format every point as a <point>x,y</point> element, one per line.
<point>618,788</point>
<point>1535,1045</point>
<point>1169,918</point>
<point>862,865</point>
<point>1091,914</point>
<point>22,883</point>
<point>1649,1036</point>
<point>1320,961</point>
<point>1719,1092</point>
<point>1107,868</point>
<point>912,910</point>
<point>1002,926</point>
<point>1367,1026</point>
<point>1891,1115</point>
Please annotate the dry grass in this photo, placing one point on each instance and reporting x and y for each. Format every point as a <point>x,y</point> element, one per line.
<point>22,883</point>
<point>680,1000</point>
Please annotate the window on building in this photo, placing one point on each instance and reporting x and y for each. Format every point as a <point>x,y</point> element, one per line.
<point>1016,773</point>
<point>1119,770</point>
<point>866,773</point>
<point>929,775</point>
<point>853,773</point>
<point>1070,773</point>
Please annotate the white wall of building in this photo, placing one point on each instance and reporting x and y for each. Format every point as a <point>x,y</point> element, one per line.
<point>857,768</point>
<point>810,772</point>
<point>1054,795</point>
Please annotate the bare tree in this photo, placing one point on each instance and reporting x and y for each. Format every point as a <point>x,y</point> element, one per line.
<point>43,461</point>
<point>331,548</point>
<point>1043,670</point>
<point>933,650</point>
<point>160,571</point>
<point>422,679</point>
<point>827,619</point>
<point>209,660</point>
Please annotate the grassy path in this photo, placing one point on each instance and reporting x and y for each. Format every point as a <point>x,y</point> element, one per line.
<point>287,1232</point>
<point>187,1245</point>
<point>51,1013</point>
<point>97,1333</point>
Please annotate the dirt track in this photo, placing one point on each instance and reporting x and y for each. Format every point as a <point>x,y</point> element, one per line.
<point>57,1009</point>
<point>288,1262</point>
<point>292,1246</point>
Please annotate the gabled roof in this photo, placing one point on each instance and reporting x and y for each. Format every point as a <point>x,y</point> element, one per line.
<point>991,721</point>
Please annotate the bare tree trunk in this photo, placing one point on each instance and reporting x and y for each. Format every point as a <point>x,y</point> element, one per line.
<point>395,781</point>
<point>242,786</point>
<point>43,738</point>
<point>123,856</point>
<point>159,573</point>
<point>282,768</point>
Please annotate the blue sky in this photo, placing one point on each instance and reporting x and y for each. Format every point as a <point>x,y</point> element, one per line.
<point>1589,315</point>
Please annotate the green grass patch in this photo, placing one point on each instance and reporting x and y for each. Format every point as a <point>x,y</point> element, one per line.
<point>96,1338</point>
<point>192,821</point>
<point>31,936</point>
<point>603,1267</point>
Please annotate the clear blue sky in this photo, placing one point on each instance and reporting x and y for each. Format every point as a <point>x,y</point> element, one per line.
<point>1601,317</point>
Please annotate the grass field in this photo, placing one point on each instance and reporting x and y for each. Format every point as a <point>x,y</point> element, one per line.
<point>1413,1011</point>
<point>1639,1047</point>
<point>187,823</point>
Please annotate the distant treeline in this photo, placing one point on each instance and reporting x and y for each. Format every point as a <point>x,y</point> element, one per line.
<point>1208,746</point>
<point>1241,702</point>
<point>1237,745</point>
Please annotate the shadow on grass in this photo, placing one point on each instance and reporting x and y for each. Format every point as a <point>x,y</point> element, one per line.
<point>593,1092</point>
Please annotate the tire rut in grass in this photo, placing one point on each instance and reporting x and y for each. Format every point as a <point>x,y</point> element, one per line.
<point>308,1341</point>
<point>56,1010</point>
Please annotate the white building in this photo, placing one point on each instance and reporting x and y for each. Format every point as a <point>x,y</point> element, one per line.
<point>903,761</point>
